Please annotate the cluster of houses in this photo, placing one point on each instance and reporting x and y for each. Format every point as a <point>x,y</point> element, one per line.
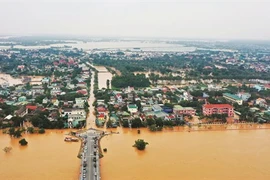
<point>63,95</point>
<point>155,103</point>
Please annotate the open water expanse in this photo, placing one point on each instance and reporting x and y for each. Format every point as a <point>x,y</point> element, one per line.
<point>115,45</point>
<point>209,155</point>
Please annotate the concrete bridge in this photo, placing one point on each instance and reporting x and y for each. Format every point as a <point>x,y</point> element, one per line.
<point>90,166</point>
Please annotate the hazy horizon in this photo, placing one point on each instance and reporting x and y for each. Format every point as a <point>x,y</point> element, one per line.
<point>195,19</point>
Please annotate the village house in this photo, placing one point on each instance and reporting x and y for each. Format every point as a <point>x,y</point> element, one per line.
<point>132,108</point>
<point>81,85</point>
<point>80,102</point>
<point>55,90</point>
<point>156,108</point>
<point>37,90</point>
<point>210,109</point>
<point>261,102</point>
<point>119,98</point>
<point>69,111</point>
<point>83,92</point>
<point>45,80</point>
<point>22,111</point>
<point>170,117</point>
<point>244,96</point>
<point>233,98</point>
<point>179,110</point>
<point>101,109</point>
<point>22,98</point>
<point>70,86</point>
<point>45,100</point>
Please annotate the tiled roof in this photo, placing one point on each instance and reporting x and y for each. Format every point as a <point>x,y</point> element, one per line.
<point>217,106</point>
<point>31,107</point>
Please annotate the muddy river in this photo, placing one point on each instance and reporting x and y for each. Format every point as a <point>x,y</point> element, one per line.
<point>195,155</point>
<point>205,155</point>
<point>46,157</point>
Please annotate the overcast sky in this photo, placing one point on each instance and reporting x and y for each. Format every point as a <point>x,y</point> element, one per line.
<point>215,19</point>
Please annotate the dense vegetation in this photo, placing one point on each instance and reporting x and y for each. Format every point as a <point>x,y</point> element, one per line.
<point>138,80</point>
<point>195,67</point>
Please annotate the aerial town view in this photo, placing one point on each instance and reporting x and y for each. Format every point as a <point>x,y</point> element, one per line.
<point>134,90</point>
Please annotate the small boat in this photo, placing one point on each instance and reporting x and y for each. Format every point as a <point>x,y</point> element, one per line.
<point>70,139</point>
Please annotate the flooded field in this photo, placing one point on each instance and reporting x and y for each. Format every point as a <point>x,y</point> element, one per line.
<point>103,76</point>
<point>8,79</point>
<point>198,155</point>
<point>46,157</point>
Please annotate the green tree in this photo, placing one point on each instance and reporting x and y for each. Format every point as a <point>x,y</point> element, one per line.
<point>109,124</point>
<point>17,133</point>
<point>140,144</point>
<point>17,121</point>
<point>39,99</point>
<point>11,131</point>
<point>136,123</point>
<point>108,84</point>
<point>30,130</point>
<point>154,127</point>
<point>28,86</point>
<point>150,121</point>
<point>125,123</point>
<point>159,122</point>
<point>23,142</point>
<point>41,131</point>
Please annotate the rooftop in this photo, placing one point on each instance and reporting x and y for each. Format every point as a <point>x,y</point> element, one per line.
<point>132,106</point>
<point>217,106</point>
<point>232,96</point>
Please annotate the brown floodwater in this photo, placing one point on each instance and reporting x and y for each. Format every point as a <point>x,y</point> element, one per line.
<point>195,155</point>
<point>214,154</point>
<point>46,157</point>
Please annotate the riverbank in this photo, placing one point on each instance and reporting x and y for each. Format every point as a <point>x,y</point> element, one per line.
<point>202,127</point>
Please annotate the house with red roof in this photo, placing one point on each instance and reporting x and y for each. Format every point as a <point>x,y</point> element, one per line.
<point>101,110</point>
<point>209,109</point>
<point>55,63</point>
<point>101,117</point>
<point>170,117</point>
<point>119,98</point>
<point>2,101</point>
<point>267,86</point>
<point>83,92</point>
<point>62,61</point>
<point>32,108</point>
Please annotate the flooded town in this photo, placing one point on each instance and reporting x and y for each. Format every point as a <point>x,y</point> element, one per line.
<point>134,90</point>
<point>200,122</point>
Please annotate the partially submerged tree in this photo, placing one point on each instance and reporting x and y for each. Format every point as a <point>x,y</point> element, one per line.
<point>41,131</point>
<point>7,149</point>
<point>140,144</point>
<point>30,130</point>
<point>23,142</point>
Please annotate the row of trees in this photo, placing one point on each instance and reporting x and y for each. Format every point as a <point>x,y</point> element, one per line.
<point>17,133</point>
<point>152,123</point>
